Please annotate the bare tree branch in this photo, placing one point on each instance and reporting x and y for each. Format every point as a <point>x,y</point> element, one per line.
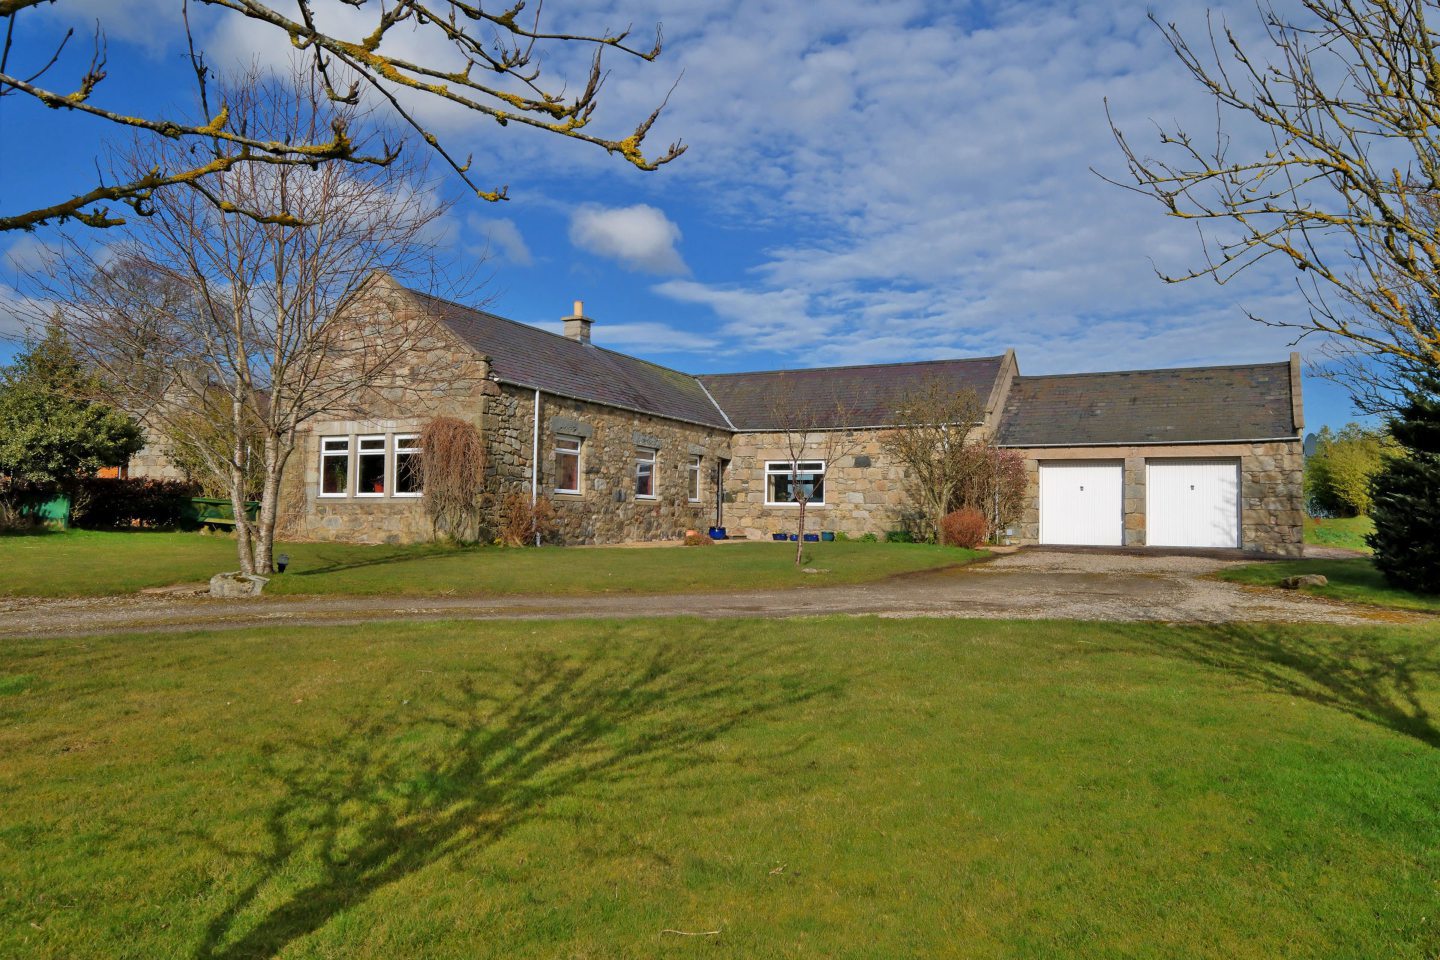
<point>499,77</point>
<point>1347,99</point>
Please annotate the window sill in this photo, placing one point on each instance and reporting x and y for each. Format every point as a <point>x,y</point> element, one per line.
<point>650,499</point>
<point>333,496</point>
<point>404,496</point>
<point>568,493</point>
<point>796,506</point>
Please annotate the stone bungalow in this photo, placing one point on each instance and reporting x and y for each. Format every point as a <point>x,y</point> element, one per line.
<point>630,450</point>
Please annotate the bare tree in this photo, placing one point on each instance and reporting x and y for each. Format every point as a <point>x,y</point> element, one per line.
<point>931,438</point>
<point>492,67</point>
<point>211,319</point>
<point>812,434</point>
<point>1343,176</point>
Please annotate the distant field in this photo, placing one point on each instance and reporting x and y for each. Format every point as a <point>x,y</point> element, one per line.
<point>1346,532</point>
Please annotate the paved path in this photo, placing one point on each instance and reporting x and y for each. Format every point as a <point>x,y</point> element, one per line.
<point>1032,584</point>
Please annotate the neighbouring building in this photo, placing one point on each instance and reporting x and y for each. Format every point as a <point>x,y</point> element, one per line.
<point>630,450</point>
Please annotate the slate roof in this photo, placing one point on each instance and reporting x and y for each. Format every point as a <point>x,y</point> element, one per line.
<point>861,396</point>
<point>1190,405</point>
<point>526,356</point>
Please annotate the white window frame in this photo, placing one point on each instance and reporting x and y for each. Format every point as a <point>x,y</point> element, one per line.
<point>650,455</point>
<point>784,468</point>
<point>328,454</point>
<point>383,453</point>
<point>693,475</point>
<point>578,453</point>
<point>412,442</point>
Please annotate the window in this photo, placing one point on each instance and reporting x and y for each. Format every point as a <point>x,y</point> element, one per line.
<point>780,483</point>
<point>407,465</point>
<point>694,478</point>
<point>334,466</point>
<point>567,464</point>
<point>370,467</point>
<point>645,473</point>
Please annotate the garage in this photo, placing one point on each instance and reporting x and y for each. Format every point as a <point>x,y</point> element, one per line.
<point>1192,503</point>
<point>1082,502</point>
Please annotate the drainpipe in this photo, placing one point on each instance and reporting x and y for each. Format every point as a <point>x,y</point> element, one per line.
<point>535,465</point>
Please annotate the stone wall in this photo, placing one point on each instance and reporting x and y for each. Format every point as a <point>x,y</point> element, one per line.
<point>606,510</point>
<point>437,376</point>
<point>864,488</point>
<point>1271,489</point>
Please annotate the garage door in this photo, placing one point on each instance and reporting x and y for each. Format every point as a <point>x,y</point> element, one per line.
<point>1192,503</point>
<point>1082,502</point>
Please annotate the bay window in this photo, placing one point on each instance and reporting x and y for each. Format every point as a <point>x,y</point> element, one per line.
<point>407,465</point>
<point>334,466</point>
<point>370,467</point>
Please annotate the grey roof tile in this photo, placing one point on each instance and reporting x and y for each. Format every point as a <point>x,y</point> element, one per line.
<point>527,356</point>
<point>1188,405</point>
<point>860,396</point>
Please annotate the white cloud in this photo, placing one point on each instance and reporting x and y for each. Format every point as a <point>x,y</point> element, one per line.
<point>502,234</point>
<point>641,237</point>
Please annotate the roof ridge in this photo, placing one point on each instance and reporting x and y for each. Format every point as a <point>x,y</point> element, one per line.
<point>549,333</point>
<point>853,366</point>
<point>1113,373</point>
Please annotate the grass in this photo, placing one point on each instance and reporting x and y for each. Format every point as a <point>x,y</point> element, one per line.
<point>819,788</point>
<point>1345,532</point>
<point>1354,581</point>
<point>90,563</point>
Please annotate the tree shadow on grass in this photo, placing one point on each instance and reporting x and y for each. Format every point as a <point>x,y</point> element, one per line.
<point>320,563</point>
<point>1382,679</point>
<point>400,791</point>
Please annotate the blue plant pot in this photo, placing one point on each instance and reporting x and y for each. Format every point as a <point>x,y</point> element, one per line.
<point>778,536</point>
<point>794,537</point>
<point>812,538</point>
<point>717,533</point>
<point>827,535</point>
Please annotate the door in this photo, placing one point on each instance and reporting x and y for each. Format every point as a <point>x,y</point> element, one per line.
<point>1082,502</point>
<point>1192,503</point>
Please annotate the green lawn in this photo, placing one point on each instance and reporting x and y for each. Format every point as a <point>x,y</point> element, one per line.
<point>819,788</point>
<point>1355,581</point>
<point>1346,532</point>
<point>88,563</point>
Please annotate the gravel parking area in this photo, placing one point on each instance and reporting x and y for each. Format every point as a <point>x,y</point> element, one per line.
<point>1031,584</point>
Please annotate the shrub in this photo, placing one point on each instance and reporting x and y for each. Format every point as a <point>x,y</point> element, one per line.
<point>694,539</point>
<point>899,536</point>
<point>869,538</point>
<point>965,527</point>
<point>521,522</point>
<point>451,470</point>
<point>112,503</point>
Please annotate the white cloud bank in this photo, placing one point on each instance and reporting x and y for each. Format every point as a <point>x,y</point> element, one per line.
<point>640,237</point>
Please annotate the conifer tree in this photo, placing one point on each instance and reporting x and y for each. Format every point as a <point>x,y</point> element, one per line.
<point>1406,492</point>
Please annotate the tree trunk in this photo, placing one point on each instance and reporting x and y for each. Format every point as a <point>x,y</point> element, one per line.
<point>277,453</point>
<point>800,534</point>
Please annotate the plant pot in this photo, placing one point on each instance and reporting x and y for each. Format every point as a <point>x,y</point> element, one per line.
<point>717,533</point>
<point>778,536</point>
<point>812,538</point>
<point>793,537</point>
<point>827,535</point>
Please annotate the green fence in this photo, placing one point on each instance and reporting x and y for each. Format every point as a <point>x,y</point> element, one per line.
<point>50,509</point>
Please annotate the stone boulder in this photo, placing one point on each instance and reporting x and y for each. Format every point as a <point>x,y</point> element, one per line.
<point>237,584</point>
<point>1304,580</point>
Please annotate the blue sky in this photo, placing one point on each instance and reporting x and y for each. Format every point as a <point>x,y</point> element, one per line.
<point>881,182</point>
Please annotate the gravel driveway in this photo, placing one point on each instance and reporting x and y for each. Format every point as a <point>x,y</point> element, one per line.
<point>1031,584</point>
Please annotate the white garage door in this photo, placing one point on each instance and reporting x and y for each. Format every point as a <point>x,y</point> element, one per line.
<point>1192,503</point>
<point>1082,502</point>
